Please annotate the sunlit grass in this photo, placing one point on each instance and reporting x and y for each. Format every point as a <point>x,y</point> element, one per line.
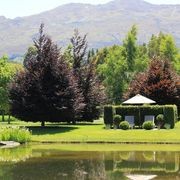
<point>105,147</point>
<point>96,132</point>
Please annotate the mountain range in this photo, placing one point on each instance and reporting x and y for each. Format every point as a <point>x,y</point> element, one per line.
<point>105,24</point>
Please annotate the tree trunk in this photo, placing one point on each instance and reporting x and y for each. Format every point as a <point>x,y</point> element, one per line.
<point>9,119</point>
<point>42,124</point>
<point>73,122</point>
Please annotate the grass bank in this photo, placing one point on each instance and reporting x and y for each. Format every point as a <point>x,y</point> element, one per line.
<point>105,147</point>
<point>96,133</point>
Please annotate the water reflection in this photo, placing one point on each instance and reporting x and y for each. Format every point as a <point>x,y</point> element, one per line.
<point>15,154</point>
<point>28,163</point>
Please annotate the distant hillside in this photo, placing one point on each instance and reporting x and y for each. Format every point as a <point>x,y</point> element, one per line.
<point>105,24</point>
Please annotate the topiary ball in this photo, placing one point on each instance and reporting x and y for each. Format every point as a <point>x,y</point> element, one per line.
<point>124,125</point>
<point>148,125</point>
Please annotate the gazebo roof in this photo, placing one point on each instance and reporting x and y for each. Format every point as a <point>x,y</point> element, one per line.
<point>139,99</point>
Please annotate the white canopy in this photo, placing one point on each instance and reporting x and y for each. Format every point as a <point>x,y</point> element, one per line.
<point>139,99</point>
<point>141,177</point>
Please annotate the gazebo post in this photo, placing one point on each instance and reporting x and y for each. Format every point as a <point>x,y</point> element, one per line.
<point>139,116</point>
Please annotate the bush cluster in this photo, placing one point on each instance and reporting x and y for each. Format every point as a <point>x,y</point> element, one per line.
<point>17,134</point>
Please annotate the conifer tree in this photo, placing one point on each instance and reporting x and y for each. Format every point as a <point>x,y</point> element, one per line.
<point>45,91</point>
<point>84,72</point>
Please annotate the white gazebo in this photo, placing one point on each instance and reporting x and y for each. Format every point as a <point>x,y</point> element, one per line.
<point>139,99</point>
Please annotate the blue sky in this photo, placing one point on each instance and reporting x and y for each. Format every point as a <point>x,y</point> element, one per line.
<point>16,8</point>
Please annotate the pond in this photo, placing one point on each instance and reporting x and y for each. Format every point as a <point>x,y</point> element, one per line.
<point>91,162</point>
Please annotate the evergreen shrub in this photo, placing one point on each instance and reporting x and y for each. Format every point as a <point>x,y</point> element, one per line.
<point>124,125</point>
<point>108,114</point>
<point>159,120</point>
<point>117,120</point>
<point>148,125</point>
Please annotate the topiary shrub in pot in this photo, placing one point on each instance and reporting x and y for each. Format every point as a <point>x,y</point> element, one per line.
<point>124,125</point>
<point>148,125</point>
<point>116,121</point>
<point>159,121</point>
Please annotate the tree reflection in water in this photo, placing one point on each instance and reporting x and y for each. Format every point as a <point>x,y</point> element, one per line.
<point>28,163</point>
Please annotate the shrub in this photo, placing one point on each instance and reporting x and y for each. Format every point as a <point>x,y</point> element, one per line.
<point>159,120</point>
<point>124,125</point>
<point>108,114</point>
<point>17,134</point>
<point>148,125</point>
<point>117,120</point>
<point>160,117</point>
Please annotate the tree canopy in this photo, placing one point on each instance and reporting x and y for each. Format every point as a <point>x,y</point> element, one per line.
<point>159,83</point>
<point>7,72</point>
<point>85,74</point>
<point>118,64</point>
<point>46,90</point>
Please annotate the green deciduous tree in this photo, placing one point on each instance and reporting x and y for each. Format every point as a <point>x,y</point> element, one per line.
<point>7,71</point>
<point>114,72</point>
<point>164,46</point>
<point>142,60</point>
<point>117,65</point>
<point>130,45</point>
<point>168,48</point>
<point>154,45</point>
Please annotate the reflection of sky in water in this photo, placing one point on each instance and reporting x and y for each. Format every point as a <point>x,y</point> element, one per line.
<point>37,163</point>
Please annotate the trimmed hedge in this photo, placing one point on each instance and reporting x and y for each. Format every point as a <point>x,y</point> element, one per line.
<point>139,112</point>
<point>108,114</point>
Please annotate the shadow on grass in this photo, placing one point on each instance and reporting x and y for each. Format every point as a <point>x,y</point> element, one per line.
<point>50,130</point>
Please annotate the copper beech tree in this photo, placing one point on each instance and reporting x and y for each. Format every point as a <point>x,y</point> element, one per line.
<point>159,83</point>
<point>46,89</point>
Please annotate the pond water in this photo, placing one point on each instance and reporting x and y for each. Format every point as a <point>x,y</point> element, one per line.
<point>86,162</point>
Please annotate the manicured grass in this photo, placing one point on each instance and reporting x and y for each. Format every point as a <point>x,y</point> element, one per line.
<point>95,132</point>
<point>105,147</point>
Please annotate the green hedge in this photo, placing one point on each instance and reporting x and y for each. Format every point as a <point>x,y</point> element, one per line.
<point>169,112</point>
<point>170,115</point>
<point>108,114</point>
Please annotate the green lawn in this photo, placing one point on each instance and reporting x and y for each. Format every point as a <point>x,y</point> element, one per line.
<point>95,132</point>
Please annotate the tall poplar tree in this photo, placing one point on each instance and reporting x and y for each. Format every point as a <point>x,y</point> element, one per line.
<point>130,46</point>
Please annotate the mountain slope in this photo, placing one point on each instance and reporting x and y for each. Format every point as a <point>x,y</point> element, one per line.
<point>105,24</point>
